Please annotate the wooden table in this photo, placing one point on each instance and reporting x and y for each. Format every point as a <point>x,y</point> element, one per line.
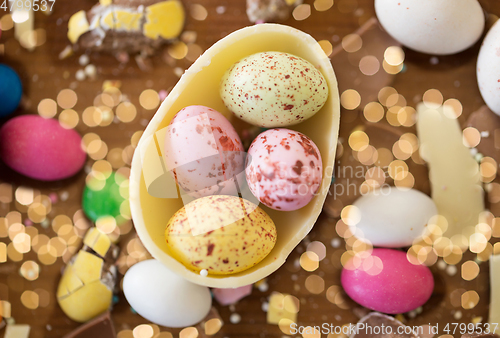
<point>44,75</point>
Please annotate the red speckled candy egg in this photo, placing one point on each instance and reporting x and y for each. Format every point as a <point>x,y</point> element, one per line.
<point>41,148</point>
<point>284,169</point>
<point>203,152</point>
<point>387,282</point>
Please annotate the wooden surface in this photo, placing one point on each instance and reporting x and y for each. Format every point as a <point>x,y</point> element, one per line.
<point>43,75</point>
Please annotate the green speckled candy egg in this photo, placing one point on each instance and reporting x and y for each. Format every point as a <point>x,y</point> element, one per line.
<point>273,89</point>
<point>221,234</point>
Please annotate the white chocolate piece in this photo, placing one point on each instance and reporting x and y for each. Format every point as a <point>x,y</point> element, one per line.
<point>159,182</point>
<point>17,331</point>
<point>494,318</point>
<point>454,174</point>
<point>201,83</point>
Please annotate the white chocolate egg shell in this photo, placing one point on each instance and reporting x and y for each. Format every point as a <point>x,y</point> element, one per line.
<point>200,86</point>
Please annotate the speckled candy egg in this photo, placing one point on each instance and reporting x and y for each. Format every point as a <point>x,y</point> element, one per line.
<point>435,27</point>
<point>221,234</point>
<point>203,152</point>
<point>40,148</point>
<point>273,89</point>
<point>387,282</point>
<point>284,169</point>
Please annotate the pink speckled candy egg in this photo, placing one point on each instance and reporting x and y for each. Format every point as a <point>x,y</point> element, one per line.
<point>203,152</point>
<point>284,169</point>
<point>386,281</point>
<point>41,148</point>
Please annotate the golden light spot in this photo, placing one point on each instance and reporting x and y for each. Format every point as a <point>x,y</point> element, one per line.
<point>178,50</point>
<point>318,248</point>
<point>470,299</point>
<point>432,98</point>
<point>402,150</point>
<point>323,5</point>
<point>3,252</point>
<point>301,12</point>
<point>24,195</point>
<point>406,182</point>
<point>350,215</point>
<point>393,70</point>
<point>143,331</point>
<point>30,270</point>
<point>373,112</point>
<point>352,43</point>
<point>188,332</point>
<point>6,22</point>
<point>126,112</point>
<point>134,140</point>
<point>358,140</point>
<point>164,334</point>
<point>407,116</point>
<point>30,299</point>
<point>311,332</point>
<point>194,51</point>
<point>47,254</point>
<point>67,98</point>
<point>198,12</point>
<point>326,46</point>
<point>13,254</point>
<point>285,326</point>
<point>394,56</point>
<point>397,170</point>
<point>385,93</point>
<point>97,150</point>
<point>22,242</point>
<point>69,119</point>
<point>471,137</point>
<point>114,93</point>
<point>125,334</point>
<point>309,261</point>
<point>369,65</point>
<point>47,108</point>
<point>91,116</point>
<point>384,157</point>
<point>59,245</point>
<point>212,326</point>
<point>107,115</point>
<point>315,284</point>
<point>470,270</point>
<point>350,99</point>
<point>107,224</point>
<point>392,116</point>
<point>488,169</point>
<point>477,242</point>
<point>375,174</point>
<point>453,256</point>
<point>368,156</point>
<point>104,99</point>
<point>149,99</point>
<point>452,108</point>
<point>43,297</point>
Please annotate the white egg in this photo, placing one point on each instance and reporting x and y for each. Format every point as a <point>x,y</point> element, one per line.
<point>390,217</point>
<point>164,298</point>
<point>439,27</point>
<point>488,68</point>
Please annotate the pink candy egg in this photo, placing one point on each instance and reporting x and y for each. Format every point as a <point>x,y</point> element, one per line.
<point>284,169</point>
<point>387,282</point>
<point>204,152</point>
<point>41,148</point>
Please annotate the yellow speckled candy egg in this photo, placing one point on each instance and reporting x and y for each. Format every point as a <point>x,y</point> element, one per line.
<point>221,234</point>
<point>273,89</point>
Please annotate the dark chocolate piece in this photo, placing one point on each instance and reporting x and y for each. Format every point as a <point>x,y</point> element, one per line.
<point>100,327</point>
